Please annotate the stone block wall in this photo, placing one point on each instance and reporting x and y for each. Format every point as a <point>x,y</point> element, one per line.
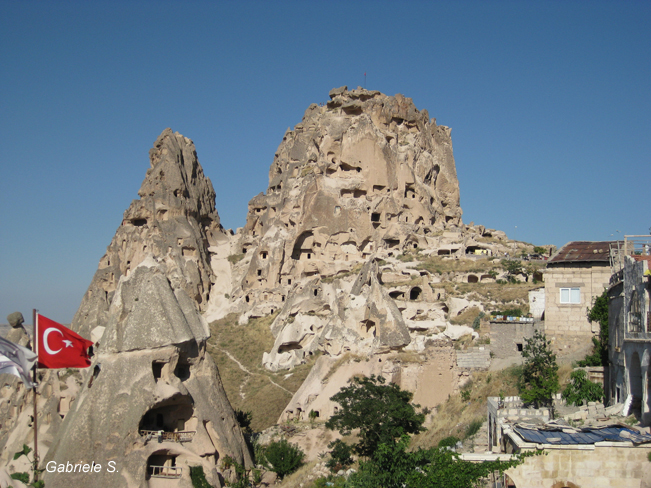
<point>474,358</point>
<point>570,318</point>
<point>508,339</point>
<point>510,408</point>
<point>607,466</point>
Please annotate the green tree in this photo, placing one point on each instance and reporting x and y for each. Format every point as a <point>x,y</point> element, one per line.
<point>283,458</point>
<point>539,372</point>
<point>513,268</point>
<point>580,390</point>
<point>598,313</point>
<point>340,456</point>
<point>394,467</point>
<point>382,413</point>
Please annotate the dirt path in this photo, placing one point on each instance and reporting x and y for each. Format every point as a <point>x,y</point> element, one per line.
<point>247,371</point>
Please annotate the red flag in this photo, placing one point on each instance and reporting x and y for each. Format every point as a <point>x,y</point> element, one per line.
<point>59,347</point>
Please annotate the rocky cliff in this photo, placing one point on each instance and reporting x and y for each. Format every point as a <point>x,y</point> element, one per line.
<point>363,177</point>
<point>174,221</point>
<point>152,401</point>
<point>364,172</point>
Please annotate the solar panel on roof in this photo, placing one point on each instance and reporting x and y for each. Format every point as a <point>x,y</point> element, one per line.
<point>587,436</point>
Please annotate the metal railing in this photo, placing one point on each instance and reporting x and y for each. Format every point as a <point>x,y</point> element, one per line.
<point>630,246</point>
<point>165,471</point>
<point>181,436</point>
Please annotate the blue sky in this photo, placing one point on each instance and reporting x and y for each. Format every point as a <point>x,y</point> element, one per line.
<point>549,105</point>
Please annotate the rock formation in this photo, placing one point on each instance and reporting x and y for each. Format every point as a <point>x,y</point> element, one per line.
<point>362,173</point>
<point>18,334</point>
<point>174,220</point>
<point>361,179</point>
<point>152,401</point>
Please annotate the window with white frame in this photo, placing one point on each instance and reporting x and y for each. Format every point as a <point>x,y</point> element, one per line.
<point>570,295</point>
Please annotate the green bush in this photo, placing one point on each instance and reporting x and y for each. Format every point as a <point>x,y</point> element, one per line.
<point>580,390</point>
<point>235,258</point>
<point>598,313</point>
<point>24,477</point>
<point>284,458</point>
<point>244,419</point>
<point>473,427</point>
<point>198,477</point>
<point>510,312</point>
<point>340,456</point>
<point>330,482</point>
<point>450,441</point>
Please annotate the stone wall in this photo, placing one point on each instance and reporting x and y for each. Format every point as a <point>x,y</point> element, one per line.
<point>474,358</point>
<point>586,467</point>
<point>508,338</point>
<point>566,324</point>
<point>510,408</point>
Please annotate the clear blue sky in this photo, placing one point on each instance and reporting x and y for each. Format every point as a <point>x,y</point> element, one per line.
<point>549,105</point>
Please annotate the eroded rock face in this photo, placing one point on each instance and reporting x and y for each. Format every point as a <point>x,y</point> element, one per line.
<point>174,220</point>
<point>362,173</point>
<point>337,318</point>
<point>152,399</point>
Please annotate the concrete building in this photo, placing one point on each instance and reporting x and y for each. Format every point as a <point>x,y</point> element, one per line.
<point>629,321</point>
<point>577,274</point>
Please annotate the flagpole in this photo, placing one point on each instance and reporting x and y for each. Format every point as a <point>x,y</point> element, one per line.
<point>35,322</point>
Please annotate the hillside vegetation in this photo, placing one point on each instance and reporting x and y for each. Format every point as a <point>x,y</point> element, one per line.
<point>237,350</point>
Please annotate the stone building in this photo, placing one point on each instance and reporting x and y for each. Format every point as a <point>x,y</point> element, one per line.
<point>629,321</point>
<point>614,456</point>
<point>600,452</point>
<point>577,274</point>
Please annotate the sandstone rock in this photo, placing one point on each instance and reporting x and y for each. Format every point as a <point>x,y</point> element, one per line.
<point>152,396</point>
<point>317,316</point>
<point>173,220</point>
<point>15,319</point>
<point>367,173</point>
<point>18,334</point>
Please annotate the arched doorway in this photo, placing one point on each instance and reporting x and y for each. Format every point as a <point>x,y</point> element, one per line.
<point>415,292</point>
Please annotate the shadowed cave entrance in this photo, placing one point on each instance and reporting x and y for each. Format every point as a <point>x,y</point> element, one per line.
<point>172,419</point>
<point>162,465</point>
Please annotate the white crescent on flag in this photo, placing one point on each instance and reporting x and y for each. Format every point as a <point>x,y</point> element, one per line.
<point>46,345</point>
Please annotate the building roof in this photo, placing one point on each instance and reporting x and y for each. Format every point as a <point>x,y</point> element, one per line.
<point>583,252</point>
<point>642,258</point>
<point>590,435</point>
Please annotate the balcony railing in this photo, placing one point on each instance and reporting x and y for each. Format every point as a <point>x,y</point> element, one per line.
<point>165,471</point>
<point>181,436</point>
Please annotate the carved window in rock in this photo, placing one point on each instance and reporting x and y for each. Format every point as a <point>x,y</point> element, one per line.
<point>635,313</point>
<point>157,369</point>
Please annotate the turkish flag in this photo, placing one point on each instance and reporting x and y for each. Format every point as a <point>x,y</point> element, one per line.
<point>59,347</point>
